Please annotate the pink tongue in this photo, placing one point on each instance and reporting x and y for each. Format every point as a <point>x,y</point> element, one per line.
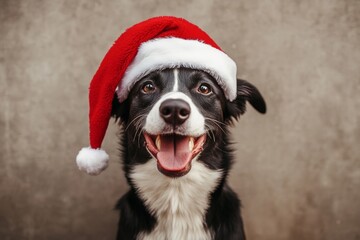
<point>174,154</point>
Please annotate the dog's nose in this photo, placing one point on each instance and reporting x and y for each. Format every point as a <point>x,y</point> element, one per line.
<point>175,111</point>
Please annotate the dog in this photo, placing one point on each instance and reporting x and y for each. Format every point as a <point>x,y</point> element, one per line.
<point>176,156</point>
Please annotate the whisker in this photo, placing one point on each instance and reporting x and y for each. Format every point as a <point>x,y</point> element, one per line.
<point>138,129</point>
<point>213,134</point>
<point>210,133</point>
<point>142,130</point>
<point>137,118</point>
<point>214,120</point>
<point>216,123</point>
<point>135,135</point>
<point>136,123</point>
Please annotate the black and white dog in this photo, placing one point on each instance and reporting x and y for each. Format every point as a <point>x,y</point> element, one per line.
<point>176,156</point>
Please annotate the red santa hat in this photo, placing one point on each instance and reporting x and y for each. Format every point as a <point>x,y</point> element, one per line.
<point>155,44</point>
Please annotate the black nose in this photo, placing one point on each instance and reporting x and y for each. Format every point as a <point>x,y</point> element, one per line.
<point>175,111</point>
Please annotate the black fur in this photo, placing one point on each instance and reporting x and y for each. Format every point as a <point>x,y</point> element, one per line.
<point>223,216</point>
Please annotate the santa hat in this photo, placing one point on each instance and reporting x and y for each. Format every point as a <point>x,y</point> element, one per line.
<point>155,44</point>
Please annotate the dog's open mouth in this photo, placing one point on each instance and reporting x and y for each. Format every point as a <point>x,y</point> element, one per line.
<point>173,152</point>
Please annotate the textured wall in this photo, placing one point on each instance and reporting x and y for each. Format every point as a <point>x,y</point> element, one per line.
<point>297,168</point>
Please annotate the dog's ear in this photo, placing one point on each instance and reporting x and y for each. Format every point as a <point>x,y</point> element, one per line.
<point>119,111</point>
<point>246,92</point>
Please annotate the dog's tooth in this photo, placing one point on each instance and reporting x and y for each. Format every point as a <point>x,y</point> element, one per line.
<point>191,143</point>
<point>158,142</point>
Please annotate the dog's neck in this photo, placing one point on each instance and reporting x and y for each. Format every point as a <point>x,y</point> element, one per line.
<point>179,204</point>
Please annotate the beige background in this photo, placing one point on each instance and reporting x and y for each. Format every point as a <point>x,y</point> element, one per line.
<point>297,168</point>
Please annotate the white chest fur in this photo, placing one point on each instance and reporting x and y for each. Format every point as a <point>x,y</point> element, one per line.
<point>179,204</point>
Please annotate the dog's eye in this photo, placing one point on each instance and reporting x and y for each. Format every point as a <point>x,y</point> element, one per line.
<point>204,89</point>
<point>148,87</point>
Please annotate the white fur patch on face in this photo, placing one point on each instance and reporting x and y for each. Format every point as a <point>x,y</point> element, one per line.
<point>176,80</point>
<point>179,204</point>
<point>193,126</point>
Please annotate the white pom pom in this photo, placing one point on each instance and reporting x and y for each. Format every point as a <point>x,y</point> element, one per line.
<point>92,161</point>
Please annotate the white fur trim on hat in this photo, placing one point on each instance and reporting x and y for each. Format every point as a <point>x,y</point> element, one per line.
<point>164,53</point>
<point>92,161</point>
